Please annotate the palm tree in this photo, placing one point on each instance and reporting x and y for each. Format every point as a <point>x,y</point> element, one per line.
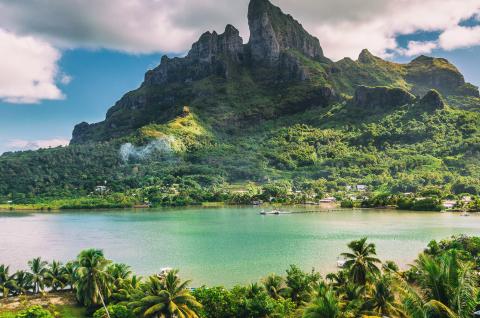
<point>254,290</point>
<point>119,272</point>
<point>449,281</point>
<point>166,298</point>
<point>7,281</point>
<point>23,282</point>
<point>55,276</point>
<point>70,274</point>
<point>38,270</point>
<point>325,305</point>
<point>337,280</point>
<point>382,300</point>
<point>275,286</point>
<point>417,306</point>
<point>93,284</point>
<point>127,290</point>
<point>361,261</point>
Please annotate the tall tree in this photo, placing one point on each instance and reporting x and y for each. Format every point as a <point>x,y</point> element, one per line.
<point>449,281</point>
<point>38,270</point>
<point>93,281</point>
<point>55,276</point>
<point>361,261</point>
<point>325,305</point>
<point>167,297</point>
<point>7,281</point>
<point>70,274</point>
<point>381,300</point>
<point>23,282</point>
<point>274,285</point>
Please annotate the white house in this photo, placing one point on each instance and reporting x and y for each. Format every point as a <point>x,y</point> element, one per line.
<point>449,204</point>
<point>361,187</point>
<point>100,189</point>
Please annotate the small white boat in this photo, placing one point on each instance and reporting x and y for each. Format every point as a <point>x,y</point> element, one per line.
<point>341,263</point>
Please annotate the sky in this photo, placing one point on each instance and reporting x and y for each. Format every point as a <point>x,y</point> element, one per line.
<point>63,62</point>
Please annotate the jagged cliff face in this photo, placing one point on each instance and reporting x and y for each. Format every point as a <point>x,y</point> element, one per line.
<point>272,32</point>
<point>210,55</point>
<point>280,71</point>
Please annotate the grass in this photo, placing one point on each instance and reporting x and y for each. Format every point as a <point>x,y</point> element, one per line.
<point>63,304</point>
<point>71,311</point>
<point>65,311</point>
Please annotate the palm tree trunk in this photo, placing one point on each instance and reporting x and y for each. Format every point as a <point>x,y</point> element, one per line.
<point>103,302</point>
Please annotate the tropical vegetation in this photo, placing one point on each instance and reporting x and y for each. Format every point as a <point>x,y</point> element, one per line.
<point>442,282</point>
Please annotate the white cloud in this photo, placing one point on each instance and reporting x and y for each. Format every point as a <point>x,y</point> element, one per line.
<point>418,47</point>
<point>460,37</point>
<point>65,79</point>
<point>22,145</point>
<point>344,27</point>
<point>28,68</point>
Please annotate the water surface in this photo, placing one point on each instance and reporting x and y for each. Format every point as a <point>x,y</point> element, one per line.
<point>226,245</point>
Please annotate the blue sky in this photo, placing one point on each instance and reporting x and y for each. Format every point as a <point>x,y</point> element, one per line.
<point>59,70</point>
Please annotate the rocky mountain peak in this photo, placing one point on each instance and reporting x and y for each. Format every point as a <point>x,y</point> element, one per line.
<point>272,31</point>
<point>210,45</point>
<point>206,57</point>
<point>366,57</point>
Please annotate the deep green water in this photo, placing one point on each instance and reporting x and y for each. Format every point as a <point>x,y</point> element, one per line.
<point>222,246</point>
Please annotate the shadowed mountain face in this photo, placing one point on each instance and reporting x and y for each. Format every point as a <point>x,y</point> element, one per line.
<point>272,108</point>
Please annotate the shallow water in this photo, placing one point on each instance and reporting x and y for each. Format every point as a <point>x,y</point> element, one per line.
<point>225,245</point>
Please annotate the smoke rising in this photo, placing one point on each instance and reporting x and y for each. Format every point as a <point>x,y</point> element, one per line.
<point>159,147</point>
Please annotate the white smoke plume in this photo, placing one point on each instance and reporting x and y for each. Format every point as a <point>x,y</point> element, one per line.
<point>160,146</point>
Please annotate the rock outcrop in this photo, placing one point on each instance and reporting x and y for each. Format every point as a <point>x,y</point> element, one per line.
<point>426,73</point>
<point>381,97</point>
<point>208,56</point>
<point>432,101</point>
<point>272,32</point>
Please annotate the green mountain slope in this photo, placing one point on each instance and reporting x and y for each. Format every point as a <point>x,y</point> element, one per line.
<point>274,108</point>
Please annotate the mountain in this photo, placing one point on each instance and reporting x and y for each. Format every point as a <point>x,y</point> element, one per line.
<point>271,109</point>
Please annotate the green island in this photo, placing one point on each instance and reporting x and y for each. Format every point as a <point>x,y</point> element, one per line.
<point>272,120</point>
<point>442,282</point>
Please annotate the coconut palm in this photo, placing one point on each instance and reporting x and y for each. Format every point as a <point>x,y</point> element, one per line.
<point>449,281</point>
<point>337,280</point>
<point>23,282</point>
<point>54,277</point>
<point>127,290</point>
<point>382,301</point>
<point>7,281</point>
<point>38,270</point>
<point>70,274</point>
<point>93,281</point>
<point>254,289</point>
<point>361,261</point>
<point>416,305</point>
<point>119,272</point>
<point>166,298</point>
<point>325,305</point>
<point>275,285</point>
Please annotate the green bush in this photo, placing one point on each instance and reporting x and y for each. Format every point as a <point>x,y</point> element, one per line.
<point>34,312</point>
<point>115,311</point>
<point>347,204</point>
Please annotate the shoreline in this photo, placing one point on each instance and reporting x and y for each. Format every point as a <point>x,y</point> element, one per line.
<point>315,208</point>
